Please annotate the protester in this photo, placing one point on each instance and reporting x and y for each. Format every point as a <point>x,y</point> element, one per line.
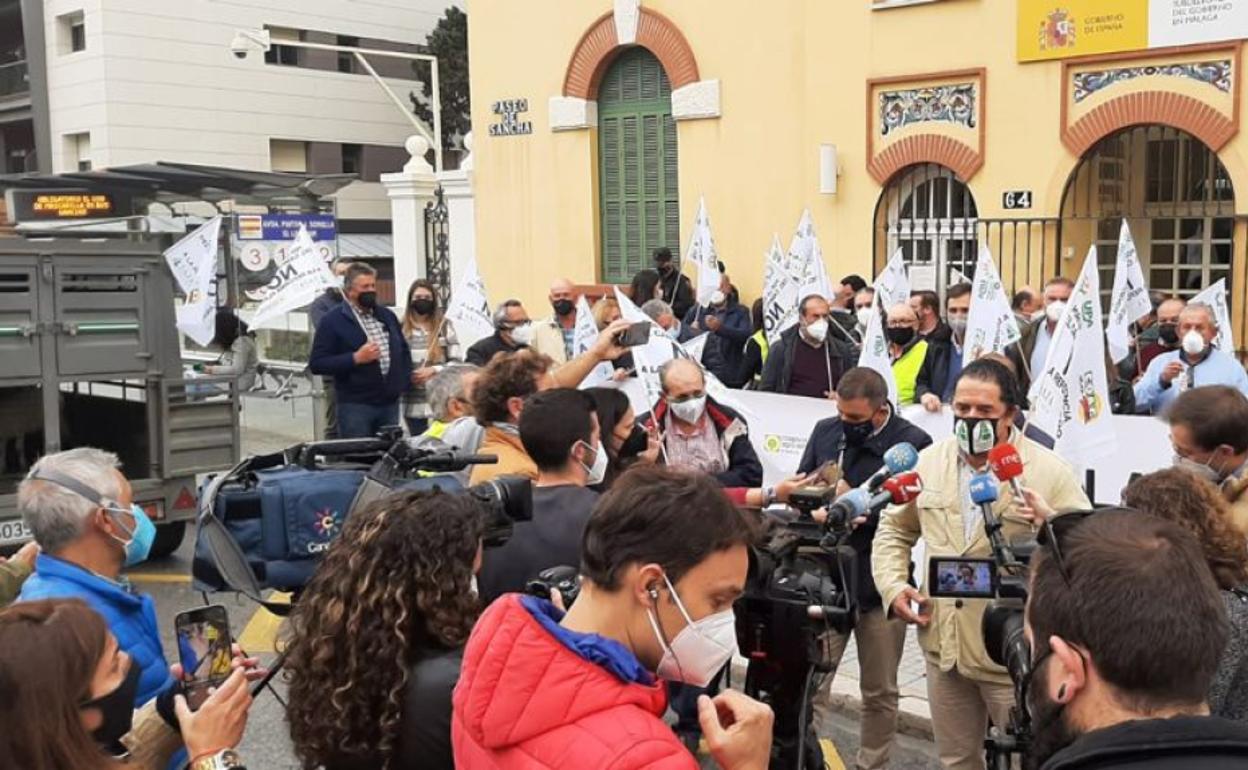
<point>606,311</point>
<point>676,290</point>
<point>552,336</point>
<point>939,373</point>
<point>512,331</point>
<point>907,350</point>
<point>1167,332</point>
<point>239,358</point>
<point>698,433</point>
<point>1117,684</point>
<point>864,307</point>
<point>498,401</point>
<point>854,442</point>
<point>1187,500</point>
<point>664,557</point>
<point>14,571</point>
<point>1198,363</point>
<point>754,360</point>
<point>626,442</point>
<point>450,400</point>
<point>647,284</point>
<point>1144,334</point>
<point>80,509</point>
<point>662,314</point>
<point>430,340</point>
<point>320,307</point>
<point>850,287</point>
<point>378,634</point>
<point>361,344</point>
<point>560,432</point>
<point>1026,306</point>
<point>964,686</point>
<point>1209,434</point>
<point>728,323</point>
<point>926,306</point>
<point>69,700</point>
<point>807,360</point>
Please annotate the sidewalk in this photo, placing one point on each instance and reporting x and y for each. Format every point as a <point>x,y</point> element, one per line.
<point>914,715</point>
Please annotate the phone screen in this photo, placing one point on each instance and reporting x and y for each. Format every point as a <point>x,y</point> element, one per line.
<point>963,578</point>
<point>637,334</point>
<point>204,650</point>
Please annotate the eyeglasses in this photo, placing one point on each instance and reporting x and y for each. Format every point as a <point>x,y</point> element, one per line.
<point>1052,533</point>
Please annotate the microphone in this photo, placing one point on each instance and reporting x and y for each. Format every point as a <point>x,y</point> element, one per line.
<point>903,488</point>
<point>898,490</point>
<point>984,492</point>
<point>849,506</point>
<point>898,459</point>
<point>1007,466</point>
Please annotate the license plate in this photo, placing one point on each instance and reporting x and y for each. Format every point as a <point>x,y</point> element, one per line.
<point>13,532</point>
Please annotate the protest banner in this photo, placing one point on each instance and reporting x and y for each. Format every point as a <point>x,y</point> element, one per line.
<point>1215,297</point>
<point>990,325</point>
<point>469,310</point>
<point>701,254</point>
<point>584,334</point>
<point>193,262</point>
<point>892,285</point>
<point>874,353</point>
<point>780,294</point>
<point>298,282</point>
<point>1129,300</point>
<point>805,261</point>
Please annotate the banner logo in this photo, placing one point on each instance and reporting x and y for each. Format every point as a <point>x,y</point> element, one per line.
<point>1057,30</point>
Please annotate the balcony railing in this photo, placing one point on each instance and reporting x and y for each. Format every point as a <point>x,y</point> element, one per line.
<point>14,78</point>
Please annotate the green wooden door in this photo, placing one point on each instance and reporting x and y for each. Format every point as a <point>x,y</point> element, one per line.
<point>639,204</point>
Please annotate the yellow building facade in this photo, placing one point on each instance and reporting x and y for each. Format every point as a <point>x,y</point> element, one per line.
<point>1032,127</point>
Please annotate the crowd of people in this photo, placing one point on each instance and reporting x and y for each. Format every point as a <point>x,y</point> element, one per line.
<point>415,645</point>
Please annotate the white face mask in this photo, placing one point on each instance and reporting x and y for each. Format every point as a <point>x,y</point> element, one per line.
<point>1193,343</point>
<point>1053,311</point>
<point>690,411</point>
<point>864,316</point>
<point>1036,316</point>
<point>522,334</point>
<point>958,325</point>
<point>718,298</point>
<point>1203,470</point>
<point>701,648</point>
<point>673,331</point>
<point>818,330</point>
<point>597,471</point>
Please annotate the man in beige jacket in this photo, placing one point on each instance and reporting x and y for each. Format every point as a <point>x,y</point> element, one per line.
<point>965,688</point>
<point>552,336</point>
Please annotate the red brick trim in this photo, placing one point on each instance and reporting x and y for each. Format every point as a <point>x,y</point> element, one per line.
<point>926,148</point>
<point>1163,107</point>
<point>599,45</point>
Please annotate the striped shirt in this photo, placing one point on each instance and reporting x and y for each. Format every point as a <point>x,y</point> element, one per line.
<point>376,332</point>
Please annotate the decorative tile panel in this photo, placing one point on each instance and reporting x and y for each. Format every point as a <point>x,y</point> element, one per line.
<point>950,104</point>
<point>1214,73</point>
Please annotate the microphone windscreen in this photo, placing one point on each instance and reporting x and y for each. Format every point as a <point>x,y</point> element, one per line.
<point>1005,462</point>
<point>984,489</point>
<point>901,458</point>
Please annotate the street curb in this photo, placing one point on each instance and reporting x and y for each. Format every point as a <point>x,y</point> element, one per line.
<point>908,723</point>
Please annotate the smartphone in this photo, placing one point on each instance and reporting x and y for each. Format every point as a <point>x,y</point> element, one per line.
<point>960,577</point>
<point>204,650</point>
<point>829,473</point>
<point>634,335</point>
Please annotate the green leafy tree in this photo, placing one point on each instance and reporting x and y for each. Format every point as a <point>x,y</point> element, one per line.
<point>449,42</point>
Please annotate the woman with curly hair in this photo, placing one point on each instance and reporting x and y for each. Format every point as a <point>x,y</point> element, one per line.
<point>378,635</point>
<point>1194,504</point>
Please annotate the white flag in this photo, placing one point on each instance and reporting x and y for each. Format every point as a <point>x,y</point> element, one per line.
<point>1070,397</point>
<point>584,334</point>
<point>469,308</point>
<point>805,261</point>
<point>956,277</point>
<point>780,294</point>
<point>1129,302</point>
<point>695,347</point>
<point>874,353</point>
<point>990,325</point>
<point>198,320</point>
<point>702,254</point>
<point>193,262</point>
<point>892,285</point>
<point>1215,297</point>
<point>302,279</point>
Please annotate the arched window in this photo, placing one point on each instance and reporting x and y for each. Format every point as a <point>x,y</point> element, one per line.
<point>928,213</point>
<point>639,203</point>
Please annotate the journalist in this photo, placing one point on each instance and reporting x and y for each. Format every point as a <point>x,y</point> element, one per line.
<point>1197,363</point>
<point>450,400</point>
<point>1194,505</point>
<point>626,442</point>
<point>699,433</point>
<point>377,637</point>
<point>664,557</point>
<point>498,401</point>
<point>1209,434</point>
<point>855,442</point>
<point>69,700</point>
<point>965,688</point>
<point>559,431</point>
<point>1119,683</point>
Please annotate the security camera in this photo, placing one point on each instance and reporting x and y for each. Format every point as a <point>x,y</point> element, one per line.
<point>245,41</point>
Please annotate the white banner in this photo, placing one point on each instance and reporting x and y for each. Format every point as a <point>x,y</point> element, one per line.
<point>1215,297</point>
<point>469,309</point>
<point>193,262</point>
<point>298,282</point>
<point>892,285</point>
<point>990,325</point>
<point>584,334</point>
<point>702,254</point>
<point>874,353</point>
<point>1070,397</point>
<point>198,320</point>
<point>1129,301</point>
<point>805,261</point>
<point>780,294</point>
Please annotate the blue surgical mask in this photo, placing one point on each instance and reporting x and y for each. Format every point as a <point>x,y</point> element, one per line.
<point>140,543</point>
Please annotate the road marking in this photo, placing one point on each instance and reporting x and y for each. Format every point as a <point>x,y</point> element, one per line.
<point>155,577</point>
<point>831,757</point>
<point>261,632</point>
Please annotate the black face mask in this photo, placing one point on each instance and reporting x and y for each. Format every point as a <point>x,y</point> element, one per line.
<point>423,306</point>
<point>563,307</point>
<point>367,300</point>
<point>857,433</point>
<point>117,707</point>
<point>665,268</point>
<point>1050,733</point>
<point>900,335</point>
<point>1168,334</point>
<point>635,444</point>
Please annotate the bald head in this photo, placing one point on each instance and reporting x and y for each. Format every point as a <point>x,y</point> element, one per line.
<point>681,377</point>
<point>902,315</point>
<point>1168,311</point>
<point>561,288</point>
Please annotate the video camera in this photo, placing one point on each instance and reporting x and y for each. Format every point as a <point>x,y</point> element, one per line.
<point>802,585</point>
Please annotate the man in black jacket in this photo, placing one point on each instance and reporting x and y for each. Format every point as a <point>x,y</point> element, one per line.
<point>940,370</point>
<point>677,290</point>
<point>699,433</point>
<point>808,359</point>
<point>856,442</point>
<point>1118,683</point>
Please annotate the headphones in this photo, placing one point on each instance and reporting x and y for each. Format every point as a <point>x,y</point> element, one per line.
<point>654,593</point>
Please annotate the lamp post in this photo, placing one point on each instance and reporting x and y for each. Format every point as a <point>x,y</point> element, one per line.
<point>247,40</point>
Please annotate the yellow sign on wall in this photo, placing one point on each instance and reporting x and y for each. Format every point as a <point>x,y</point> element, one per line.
<point>1060,29</point>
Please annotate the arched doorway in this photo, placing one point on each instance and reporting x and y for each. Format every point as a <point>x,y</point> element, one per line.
<point>639,202</point>
<point>929,213</point>
<point>1174,193</point>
